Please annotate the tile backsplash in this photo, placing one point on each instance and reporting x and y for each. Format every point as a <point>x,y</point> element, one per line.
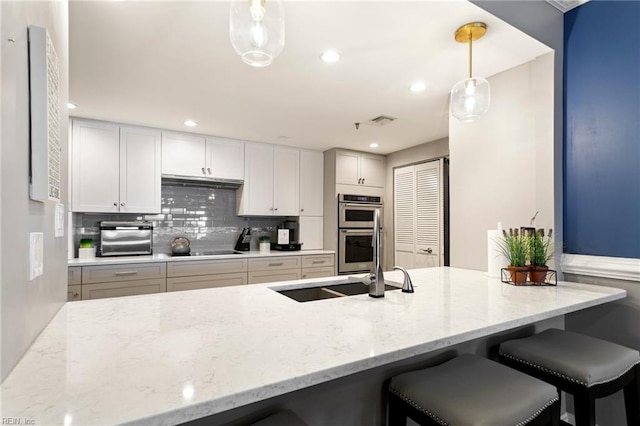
<point>207,216</point>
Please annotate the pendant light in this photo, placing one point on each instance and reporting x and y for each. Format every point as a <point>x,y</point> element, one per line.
<point>256,28</point>
<point>470,97</point>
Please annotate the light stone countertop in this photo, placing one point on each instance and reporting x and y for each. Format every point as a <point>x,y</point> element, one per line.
<point>163,257</point>
<point>168,358</point>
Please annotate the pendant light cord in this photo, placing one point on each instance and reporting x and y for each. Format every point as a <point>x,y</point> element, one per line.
<point>470,51</point>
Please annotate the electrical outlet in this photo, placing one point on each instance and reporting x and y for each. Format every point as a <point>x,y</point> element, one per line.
<point>36,254</point>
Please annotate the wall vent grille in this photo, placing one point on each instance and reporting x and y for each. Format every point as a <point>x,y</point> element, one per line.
<point>381,120</point>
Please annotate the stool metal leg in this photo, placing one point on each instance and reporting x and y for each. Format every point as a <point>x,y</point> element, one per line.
<point>632,399</point>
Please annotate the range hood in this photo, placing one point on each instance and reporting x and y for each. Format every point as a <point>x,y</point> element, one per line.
<point>208,182</point>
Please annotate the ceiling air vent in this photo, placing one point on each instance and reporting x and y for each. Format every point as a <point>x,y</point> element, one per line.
<point>381,120</point>
<point>566,5</point>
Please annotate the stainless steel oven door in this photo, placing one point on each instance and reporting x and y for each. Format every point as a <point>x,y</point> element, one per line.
<point>356,215</point>
<point>355,252</point>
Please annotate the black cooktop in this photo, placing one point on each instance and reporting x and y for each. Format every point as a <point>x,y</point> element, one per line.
<point>206,253</point>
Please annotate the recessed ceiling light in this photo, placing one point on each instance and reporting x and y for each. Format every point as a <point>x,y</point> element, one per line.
<point>418,86</point>
<point>72,106</point>
<point>190,123</point>
<point>373,145</point>
<point>330,56</point>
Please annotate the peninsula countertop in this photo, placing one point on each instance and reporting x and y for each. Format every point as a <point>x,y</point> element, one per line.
<point>168,358</point>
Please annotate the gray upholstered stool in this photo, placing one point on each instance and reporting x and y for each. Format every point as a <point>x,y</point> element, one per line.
<point>282,418</point>
<point>586,367</point>
<point>471,391</point>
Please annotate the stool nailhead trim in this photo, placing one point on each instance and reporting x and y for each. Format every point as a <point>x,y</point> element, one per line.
<point>414,405</point>
<point>574,380</point>
<point>443,423</point>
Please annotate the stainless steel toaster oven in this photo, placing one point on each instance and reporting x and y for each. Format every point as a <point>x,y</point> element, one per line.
<point>125,238</point>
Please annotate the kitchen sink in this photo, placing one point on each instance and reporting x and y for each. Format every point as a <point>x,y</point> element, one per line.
<point>330,290</point>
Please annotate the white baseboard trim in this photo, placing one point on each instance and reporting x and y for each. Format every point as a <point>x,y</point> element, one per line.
<point>618,268</point>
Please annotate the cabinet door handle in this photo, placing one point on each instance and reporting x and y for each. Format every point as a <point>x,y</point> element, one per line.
<point>315,262</point>
<point>276,264</point>
<point>428,251</point>
<point>115,204</point>
<point>126,273</point>
<point>276,209</point>
<point>363,181</point>
<point>122,204</point>
<point>301,210</point>
<point>359,180</point>
<point>209,170</point>
<point>203,172</point>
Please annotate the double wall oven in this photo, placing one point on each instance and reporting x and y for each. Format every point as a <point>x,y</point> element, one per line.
<point>355,232</point>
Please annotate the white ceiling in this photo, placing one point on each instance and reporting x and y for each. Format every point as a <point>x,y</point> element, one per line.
<point>160,63</point>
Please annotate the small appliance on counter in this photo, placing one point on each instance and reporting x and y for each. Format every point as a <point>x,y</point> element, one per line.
<point>125,238</point>
<point>287,237</point>
<point>244,240</point>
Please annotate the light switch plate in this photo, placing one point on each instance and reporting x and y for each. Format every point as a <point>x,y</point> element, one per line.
<point>59,220</point>
<point>36,254</point>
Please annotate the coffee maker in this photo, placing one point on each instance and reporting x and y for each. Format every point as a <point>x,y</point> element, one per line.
<point>287,236</point>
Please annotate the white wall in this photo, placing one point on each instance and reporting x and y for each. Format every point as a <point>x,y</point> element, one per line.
<point>417,154</point>
<point>502,165</point>
<point>27,306</point>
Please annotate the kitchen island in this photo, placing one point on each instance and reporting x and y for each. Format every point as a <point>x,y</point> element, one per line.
<point>170,358</point>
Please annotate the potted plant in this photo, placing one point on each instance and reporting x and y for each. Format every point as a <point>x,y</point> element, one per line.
<point>540,250</point>
<point>265,243</point>
<point>514,247</point>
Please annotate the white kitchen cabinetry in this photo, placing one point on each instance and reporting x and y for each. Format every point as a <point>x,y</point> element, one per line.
<point>200,274</point>
<point>358,168</point>
<point>183,154</point>
<point>115,168</point>
<point>272,269</point>
<point>311,183</point>
<point>271,181</point>
<point>123,280</point>
<point>311,232</point>
<point>199,156</point>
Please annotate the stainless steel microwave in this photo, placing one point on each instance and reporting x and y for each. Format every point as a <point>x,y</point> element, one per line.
<point>125,238</point>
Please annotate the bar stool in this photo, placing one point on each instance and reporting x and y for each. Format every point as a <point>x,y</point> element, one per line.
<point>471,391</point>
<point>584,366</point>
<point>281,418</point>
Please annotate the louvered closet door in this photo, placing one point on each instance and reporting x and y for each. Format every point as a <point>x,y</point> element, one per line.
<point>429,223</point>
<point>418,215</point>
<point>404,216</point>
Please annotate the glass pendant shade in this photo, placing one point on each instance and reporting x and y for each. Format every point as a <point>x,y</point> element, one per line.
<point>256,28</point>
<point>470,99</point>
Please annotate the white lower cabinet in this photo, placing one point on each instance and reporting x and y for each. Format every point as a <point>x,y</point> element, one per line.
<point>124,288</point>
<point>206,281</point>
<point>198,274</point>
<point>100,281</point>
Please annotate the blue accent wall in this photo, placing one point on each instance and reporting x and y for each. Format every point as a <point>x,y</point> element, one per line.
<point>602,129</point>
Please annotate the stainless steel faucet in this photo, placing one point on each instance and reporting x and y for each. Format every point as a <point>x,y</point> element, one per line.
<point>407,285</point>
<point>376,283</point>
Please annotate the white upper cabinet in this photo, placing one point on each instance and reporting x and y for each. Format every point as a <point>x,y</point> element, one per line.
<point>271,181</point>
<point>311,183</point>
<point>356,168</point>
<point>224,158</point>
<point>114,169</point>
<point>183,154</point>
<point>199,156</point>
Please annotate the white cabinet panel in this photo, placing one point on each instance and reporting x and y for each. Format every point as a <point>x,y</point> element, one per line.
<point>372,170</point>
<point>273,276</point>
<point>311,183</point>
<point>95,166</point>
<point>358,168</point>
<point>225,158</point>
<point>183,154</point>
<point>311,230</point>
<point>206,281</point>
<point>271,181</point>
<point>347,167</point>
<point>308,273</point>
<point>286,182</point>
<point>140,160</point>
<point>125,288</point>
